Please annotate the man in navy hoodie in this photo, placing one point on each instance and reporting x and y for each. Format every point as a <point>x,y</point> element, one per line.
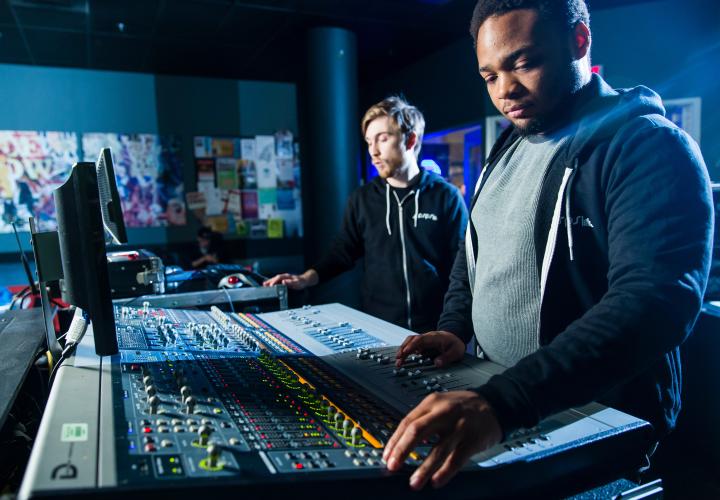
<point>587,253</point>
<point>406,225</point>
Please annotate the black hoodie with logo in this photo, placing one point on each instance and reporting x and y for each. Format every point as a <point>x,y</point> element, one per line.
<point>623,237</point>
<point>407,244</point>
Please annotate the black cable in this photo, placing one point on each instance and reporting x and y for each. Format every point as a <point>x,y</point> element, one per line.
<point>24,261</point>
<point>69,349</point>
<point>22,300</point>
<point>55,369</point>
<point>20,295</point>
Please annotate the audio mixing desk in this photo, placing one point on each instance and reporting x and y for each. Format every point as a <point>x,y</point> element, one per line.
<point>294,402</point>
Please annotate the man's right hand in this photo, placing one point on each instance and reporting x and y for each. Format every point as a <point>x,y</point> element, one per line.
<point>294,281</point>
<point>446,347</point>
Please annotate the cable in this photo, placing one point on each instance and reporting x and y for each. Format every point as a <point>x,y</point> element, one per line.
<point>20,295</point>
<point>78,327</point>
<point>227,294</point>
<point>69,349</point>
<point>24,261</point>
<point>63,357</point>
<point>59,304</point>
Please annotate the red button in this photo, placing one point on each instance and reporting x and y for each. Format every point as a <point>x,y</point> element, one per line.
<point>298,465</point>
<point>233,279</point>
<point>147,430</point>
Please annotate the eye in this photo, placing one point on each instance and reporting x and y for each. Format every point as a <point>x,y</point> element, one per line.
<point>490,79</point>
<point>527,64</point>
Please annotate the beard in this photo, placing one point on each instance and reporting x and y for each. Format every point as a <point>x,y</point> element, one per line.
<point>563,107</point>
<point>386,170</point>
<point>534,126</point>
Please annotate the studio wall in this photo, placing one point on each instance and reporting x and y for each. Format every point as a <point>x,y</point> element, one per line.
<point>77,100</point>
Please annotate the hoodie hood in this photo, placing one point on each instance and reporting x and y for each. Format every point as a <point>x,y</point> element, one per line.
<point>599,112</point>
<point>604,111</point>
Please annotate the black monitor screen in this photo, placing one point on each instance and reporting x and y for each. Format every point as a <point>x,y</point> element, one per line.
<point>82,250</point>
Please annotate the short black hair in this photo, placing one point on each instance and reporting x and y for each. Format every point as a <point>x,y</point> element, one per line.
<point>565,13</point>
<point>205,232</point>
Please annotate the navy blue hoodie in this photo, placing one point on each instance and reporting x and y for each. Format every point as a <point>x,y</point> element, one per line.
<point>623,238</point>
<point>407,248</point>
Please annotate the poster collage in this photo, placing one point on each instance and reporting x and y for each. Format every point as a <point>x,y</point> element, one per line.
<point>248,186</point>
<point>148,172</point>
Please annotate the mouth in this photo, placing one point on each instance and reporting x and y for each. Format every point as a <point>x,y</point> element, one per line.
<point>518,111</point>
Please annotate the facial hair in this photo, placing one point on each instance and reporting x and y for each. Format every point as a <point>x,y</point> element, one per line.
<point>563,109</point>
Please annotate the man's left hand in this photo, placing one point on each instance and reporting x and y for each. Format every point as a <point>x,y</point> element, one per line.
<point>464,424</point>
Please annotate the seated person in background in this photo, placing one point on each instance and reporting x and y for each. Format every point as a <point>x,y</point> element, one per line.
<point>587,252</point>
<point>406,225</point>
<point>210,246</point>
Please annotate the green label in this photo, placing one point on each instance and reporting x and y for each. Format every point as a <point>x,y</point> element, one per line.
<point>74,432</point>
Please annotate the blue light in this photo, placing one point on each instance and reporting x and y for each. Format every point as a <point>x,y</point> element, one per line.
<point>431,165</point>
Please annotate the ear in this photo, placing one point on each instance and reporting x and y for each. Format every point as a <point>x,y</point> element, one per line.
<point>581,40</point>
<point>410,141</point>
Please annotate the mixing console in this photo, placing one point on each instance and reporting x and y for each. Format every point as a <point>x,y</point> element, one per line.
<point>334,328</point>
<point>180,330</point>
<point>276,402</point>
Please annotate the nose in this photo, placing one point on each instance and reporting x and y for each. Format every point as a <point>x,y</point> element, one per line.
<point>507,87</point>
<point>373,148</point>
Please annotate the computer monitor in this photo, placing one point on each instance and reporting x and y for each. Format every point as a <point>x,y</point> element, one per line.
<point>86,204</point>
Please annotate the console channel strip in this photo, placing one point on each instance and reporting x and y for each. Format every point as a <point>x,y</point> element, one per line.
<point>177,330</point>
<point>333,328</point>
<point>266,423</point>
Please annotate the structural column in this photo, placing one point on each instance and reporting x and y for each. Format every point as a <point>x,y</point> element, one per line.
<point>331,156</point>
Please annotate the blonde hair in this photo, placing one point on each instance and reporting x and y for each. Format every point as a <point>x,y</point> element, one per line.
<point>406,118</point>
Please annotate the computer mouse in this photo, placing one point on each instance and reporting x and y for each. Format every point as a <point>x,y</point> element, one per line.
<point>232,281</point>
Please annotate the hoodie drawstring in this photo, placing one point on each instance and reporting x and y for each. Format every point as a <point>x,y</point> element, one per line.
<point>387,208</point>
<point>568,220</point>
<point>417,205</point>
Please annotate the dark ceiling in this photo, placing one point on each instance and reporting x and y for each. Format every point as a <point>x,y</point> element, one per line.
<point>253,39</point>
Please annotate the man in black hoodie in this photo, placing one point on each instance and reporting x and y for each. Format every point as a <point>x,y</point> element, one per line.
<point>406,225</point>
<point>587,252</point>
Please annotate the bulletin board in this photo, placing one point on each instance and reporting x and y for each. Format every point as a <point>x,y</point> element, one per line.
<point>248,186</point>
